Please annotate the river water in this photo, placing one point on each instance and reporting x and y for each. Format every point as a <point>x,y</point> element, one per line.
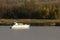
<point>34,33</point>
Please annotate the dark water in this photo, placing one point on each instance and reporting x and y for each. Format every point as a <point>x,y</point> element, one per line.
<point>34,33</point>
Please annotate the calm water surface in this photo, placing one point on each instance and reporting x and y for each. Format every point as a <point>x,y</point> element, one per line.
<point>34,33</point>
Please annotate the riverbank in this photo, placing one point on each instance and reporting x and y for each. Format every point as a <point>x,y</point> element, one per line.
<point>29,21</point>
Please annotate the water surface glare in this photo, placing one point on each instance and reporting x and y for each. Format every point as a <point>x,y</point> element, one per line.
<point>34,33</point>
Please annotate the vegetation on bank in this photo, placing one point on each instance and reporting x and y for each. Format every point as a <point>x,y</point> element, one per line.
<point>31,11</point>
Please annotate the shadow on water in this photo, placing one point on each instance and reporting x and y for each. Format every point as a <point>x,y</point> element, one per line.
<point>57,24</point>
<point>45,24</point>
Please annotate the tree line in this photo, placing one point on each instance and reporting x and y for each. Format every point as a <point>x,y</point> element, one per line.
<point>31,11</point>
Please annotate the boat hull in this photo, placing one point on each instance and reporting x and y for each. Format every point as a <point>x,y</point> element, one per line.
<point>21,27</point>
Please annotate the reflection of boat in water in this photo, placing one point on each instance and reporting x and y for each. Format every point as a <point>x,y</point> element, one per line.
<point>20,26</point>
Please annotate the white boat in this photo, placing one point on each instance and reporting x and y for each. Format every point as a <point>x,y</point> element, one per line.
<point>20,26</point>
